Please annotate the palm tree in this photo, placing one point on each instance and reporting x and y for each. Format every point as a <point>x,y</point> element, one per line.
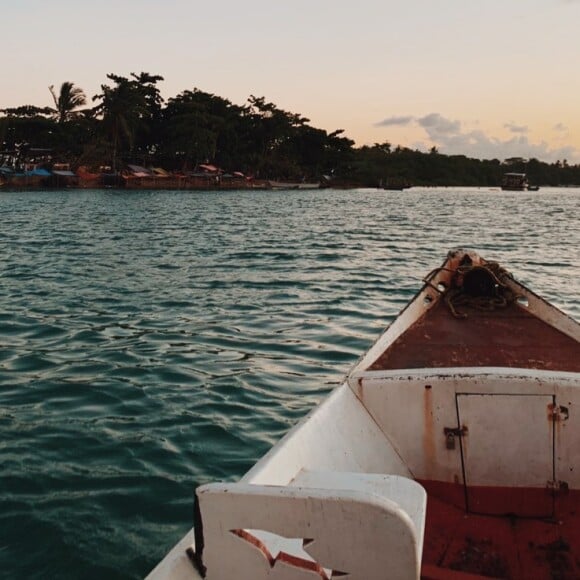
<point>123,109</point>
<point>69,99</point>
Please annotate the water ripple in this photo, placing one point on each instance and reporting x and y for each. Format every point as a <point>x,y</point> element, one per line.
<point>154,341</point>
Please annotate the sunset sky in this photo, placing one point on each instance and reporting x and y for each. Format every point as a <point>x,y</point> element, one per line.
<point>492,79</point>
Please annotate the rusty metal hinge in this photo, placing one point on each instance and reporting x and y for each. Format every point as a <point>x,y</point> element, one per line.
<point>451,433</point>
<point>559,412</point>
<point>557,486</point>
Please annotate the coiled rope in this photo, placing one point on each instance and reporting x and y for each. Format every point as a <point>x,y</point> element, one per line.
<point>482,287</point>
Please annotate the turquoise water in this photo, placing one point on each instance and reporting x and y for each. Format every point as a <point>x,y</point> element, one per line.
<point>154,341</point>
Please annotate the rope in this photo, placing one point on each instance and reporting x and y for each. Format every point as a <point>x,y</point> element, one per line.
<point>501,297</point>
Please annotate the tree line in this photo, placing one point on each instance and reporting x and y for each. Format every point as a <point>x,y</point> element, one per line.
<point>129,122</point>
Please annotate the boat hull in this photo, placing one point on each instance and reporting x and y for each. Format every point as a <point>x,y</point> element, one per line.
<point>469,399</point>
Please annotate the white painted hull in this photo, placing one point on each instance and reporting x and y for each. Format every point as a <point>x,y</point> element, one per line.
<point>339,492</point>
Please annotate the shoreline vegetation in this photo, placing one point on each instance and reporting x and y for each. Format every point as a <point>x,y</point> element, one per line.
<point>132,138</point>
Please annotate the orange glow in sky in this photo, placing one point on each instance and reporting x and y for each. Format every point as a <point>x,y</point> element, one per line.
<point>493,79</point>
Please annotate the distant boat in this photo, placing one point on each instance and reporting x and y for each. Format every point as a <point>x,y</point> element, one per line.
<point>292,185</point>
<point>514,182</point>
<point>34,177</point>
<point>62,176</point>
<point>395,184</point>
<point>533,187</point>
<point>88,179</point>
<point>5,173</point>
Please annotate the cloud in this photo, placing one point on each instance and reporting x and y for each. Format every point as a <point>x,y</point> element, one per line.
<point>438,127</point>
<point>516,128</point>
<point>452,138</point>
<point>394,121</point>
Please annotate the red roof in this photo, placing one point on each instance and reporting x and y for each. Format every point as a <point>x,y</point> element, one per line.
<point>211,168</point>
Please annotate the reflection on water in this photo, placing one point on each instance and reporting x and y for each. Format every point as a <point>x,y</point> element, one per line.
<point>153,341</point>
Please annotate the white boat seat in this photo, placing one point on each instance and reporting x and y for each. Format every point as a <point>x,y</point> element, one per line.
<point>407,493</point>
<point>368,526</point>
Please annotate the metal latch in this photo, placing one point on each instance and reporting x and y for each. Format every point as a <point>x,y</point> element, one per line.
<point>451,433</point>
<point>557,486</point>
<point>558,412</point>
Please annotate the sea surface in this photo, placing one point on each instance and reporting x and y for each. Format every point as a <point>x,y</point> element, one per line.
<point>154,341</point>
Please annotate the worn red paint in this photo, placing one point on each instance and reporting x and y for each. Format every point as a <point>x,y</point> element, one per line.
<point>505,337</point>
<point>250,538</point>
<point>289,559</point>
<point>301,563</point>
<point>429,451</point>
<point>519,548</point>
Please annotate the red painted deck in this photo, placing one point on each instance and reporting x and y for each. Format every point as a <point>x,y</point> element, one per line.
<point>462,546</point>
<point>505,337</point>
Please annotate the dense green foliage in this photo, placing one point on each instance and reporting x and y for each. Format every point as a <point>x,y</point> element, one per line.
<point>131,123</point>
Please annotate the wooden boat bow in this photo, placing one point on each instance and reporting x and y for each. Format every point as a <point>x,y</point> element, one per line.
<point>451,450</point>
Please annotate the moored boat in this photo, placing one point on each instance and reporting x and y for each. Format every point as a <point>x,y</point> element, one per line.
<point>292,185</point>
<point>34,177</point>
<point>5,173</point>
<point>395,184</point>
<point>62,176</point>
<point>514,182</point>
<point>451,450</point>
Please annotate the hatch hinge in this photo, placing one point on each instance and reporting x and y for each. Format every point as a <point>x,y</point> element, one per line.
<point>558,413</point>
<point>557,486</point>
<point>451,433</point>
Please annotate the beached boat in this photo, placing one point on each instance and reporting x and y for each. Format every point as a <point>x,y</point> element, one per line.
<point>451,451</point>
<point>292,185</point>
<point>62,176</point>
<point>514,182</point>
<point>5,173</point>
<point>34,177</point>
